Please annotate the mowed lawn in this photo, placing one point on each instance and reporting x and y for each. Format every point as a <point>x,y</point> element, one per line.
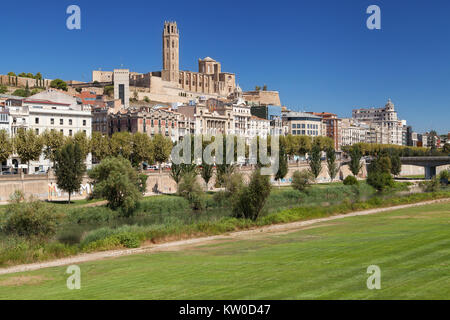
<point>325,261</point>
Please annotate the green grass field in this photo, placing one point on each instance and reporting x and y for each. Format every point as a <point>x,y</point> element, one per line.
<point>326,261</point>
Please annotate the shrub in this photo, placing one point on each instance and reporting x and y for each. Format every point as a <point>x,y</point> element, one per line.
<point>444,176</point>
<point>129,240</point>
<point>233,183</point>
<point>251,199</point>
<point>17,197</point>
<point>301,180</point>
<point>350,181</point>
<point>432,185</point>
<point>190,189</point>
<point>142,183</point>
<point>33,219</point>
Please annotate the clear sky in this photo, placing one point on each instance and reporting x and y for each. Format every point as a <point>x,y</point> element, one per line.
<point>319,53</point>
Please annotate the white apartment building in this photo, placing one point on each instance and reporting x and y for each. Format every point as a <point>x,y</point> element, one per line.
<point>259,128</point>
<point>66,116</point>
<point>353,131</point>
<point>5,120</point>
<point>391,128</point>
<point>242,116</point>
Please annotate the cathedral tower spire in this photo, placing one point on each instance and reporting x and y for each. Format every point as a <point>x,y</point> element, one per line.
<point>170,50</point>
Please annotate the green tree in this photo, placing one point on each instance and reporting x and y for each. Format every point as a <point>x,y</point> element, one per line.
<point>6,147</point>
<point>122,145</point>
<point>3,89</point>
<point>100,146</point>
<point>38,76</point>
<point>53,141</point>
<point>396,165</point>
<point>446,148</point>
<point>84,143</point>
<point>207,171</point>
<point>332,166</point>
<point>190,189</point>
<point>21,93</point>
<point>379,173</point>
<point>355,159</point>
<point>117,181</point>
<point>315,163</point>
<point>303,145</point>
<point>142,149</point>
<point>265,87</point>
<point>251,199</point>
<point>324,142</point>
<point>162,147</point>
<point>282,164</point>
<point>176,173</point>
<point>70,168</point>
<point>11,74</point>
<point>59,84</point>
<point>28,146</point>
<point>108,91</point>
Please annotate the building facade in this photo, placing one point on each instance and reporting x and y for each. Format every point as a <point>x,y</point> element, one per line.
<point>303,124</point>
<point>148,120</point>
<point>392,130</point>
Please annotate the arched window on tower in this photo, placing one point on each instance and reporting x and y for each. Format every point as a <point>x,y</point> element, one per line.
<point>173,44</point>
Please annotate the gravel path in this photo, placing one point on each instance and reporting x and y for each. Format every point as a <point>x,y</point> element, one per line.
<point>177,245</point>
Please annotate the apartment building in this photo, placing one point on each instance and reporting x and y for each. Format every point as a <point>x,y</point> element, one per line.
<point>304,124</point>
<point>392,130</point>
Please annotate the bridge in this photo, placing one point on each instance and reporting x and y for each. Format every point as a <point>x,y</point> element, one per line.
<point>430,163</point>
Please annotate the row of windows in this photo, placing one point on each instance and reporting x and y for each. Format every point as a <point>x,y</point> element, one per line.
<point>61,121</point>
<point>305,132</point>
<point>303,126</point>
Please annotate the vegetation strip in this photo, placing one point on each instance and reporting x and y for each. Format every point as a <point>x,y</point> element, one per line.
<point>168,245</point>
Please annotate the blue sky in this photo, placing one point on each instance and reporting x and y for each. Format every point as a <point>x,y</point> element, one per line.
<point>319,53</point>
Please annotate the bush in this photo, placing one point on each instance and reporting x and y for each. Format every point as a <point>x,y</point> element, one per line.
<point>432,185</point>
<point>142,183</point>
<point>17,197</point>
<point>33,219</point>
<point>233,183</point>
<point>301,180</point>
<point>250,200</point>
<point>444,176</point>
<point>190,189</point>
<point>350,181</point>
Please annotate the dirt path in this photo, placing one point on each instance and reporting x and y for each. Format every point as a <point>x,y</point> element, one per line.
<point>178,245</point>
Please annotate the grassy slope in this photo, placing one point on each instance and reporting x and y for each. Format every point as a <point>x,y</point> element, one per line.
<point>411,246</point>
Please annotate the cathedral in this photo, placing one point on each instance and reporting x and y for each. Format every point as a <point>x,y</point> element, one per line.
<point>171,84</point>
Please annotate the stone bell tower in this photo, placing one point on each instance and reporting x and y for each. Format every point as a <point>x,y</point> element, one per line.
<point>170,51</point>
